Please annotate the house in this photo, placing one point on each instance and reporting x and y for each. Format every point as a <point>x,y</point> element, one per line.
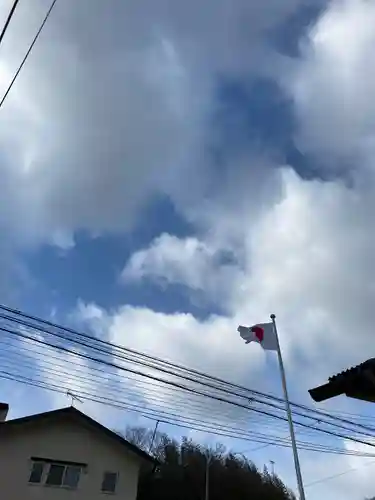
<point>64,454</point>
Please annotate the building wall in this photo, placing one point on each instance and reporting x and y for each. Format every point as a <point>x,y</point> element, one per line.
<point>67,441</point>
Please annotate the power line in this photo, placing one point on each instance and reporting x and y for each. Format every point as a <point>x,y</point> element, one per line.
<point>175,406</point>
<point>139,356</point>
<point>186,388</point>
<point>110,351</point>
<point>27,53</point>
<point>116,391</point>
<point>165,367</point>
<point>180,421</point>
<point>186,409</point>
<point>8,354</point>
<point>334,476</point>
<point>10,15</point>
<point>352,414</point>
<point>194,401</point>
<point>180,386</point>
<point>109,384</point>
<point>237,432</point>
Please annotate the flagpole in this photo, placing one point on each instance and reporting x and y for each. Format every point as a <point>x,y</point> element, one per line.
<point>289,413</point>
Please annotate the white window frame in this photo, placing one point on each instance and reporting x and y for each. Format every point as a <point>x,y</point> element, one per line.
<point>47,465</point>
<point>66,467</point>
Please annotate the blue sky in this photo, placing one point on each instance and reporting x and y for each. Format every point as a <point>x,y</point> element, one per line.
<point>79,273</point>
<point>192,168</point>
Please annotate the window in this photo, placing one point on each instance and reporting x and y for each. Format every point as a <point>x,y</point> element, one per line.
<point>55,473</point>
<point>109,482</point>
<point>63,475</point>
<point>36,472</point>
<point>72,475</point>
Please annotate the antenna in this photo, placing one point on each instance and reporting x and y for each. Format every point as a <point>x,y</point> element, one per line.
<point>73,397</point>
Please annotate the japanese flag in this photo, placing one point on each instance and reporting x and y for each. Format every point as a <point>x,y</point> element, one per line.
<point>263,333</point>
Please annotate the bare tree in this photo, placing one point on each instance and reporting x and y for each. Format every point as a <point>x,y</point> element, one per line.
<point>183,472</point>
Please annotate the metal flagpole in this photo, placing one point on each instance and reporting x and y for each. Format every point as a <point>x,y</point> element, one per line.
<point>289,413</point>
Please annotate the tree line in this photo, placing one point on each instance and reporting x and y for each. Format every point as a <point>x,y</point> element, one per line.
<point>184,468</point>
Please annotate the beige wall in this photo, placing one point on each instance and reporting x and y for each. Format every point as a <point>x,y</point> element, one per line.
<point>70,442</point>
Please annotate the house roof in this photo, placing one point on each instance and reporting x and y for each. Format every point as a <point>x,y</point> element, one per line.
<point>357,382</point>
<point>80,418</point>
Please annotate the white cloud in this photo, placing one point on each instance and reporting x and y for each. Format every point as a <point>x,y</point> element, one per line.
<point>190,262</point>
<point>85,145</point>
<point>310,259</point>
<point>112,107</point>
<point>181,338</point>
<point>333,84</point>
<point>297,260</point>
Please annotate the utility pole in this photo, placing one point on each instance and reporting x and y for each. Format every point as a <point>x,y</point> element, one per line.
<point>154,435</point>
<point>272,467</point>
<point>207,481</point>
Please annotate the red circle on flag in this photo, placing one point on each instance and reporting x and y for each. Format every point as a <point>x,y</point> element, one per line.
<point>258,332</point>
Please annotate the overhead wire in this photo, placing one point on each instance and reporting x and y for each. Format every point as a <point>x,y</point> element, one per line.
<point>185,422</point>
<point>53,363</point>
<point>237,432</point>
<point>238,423</point>
<point>191,390</point>
<point>165,366</point>
<point>217,412</point>
<point>8,19</point>
<point>145,396</point>
<point>109,346</point>
<point>19,69</point>
<point>340,474</point>
<point>108,351</point>
<point>187,405</point>
<point>193,401</point>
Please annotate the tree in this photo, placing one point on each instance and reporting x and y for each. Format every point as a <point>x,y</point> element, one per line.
<point>182,472</point>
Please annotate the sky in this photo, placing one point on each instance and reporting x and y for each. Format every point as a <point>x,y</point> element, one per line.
<point>172,169</point>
